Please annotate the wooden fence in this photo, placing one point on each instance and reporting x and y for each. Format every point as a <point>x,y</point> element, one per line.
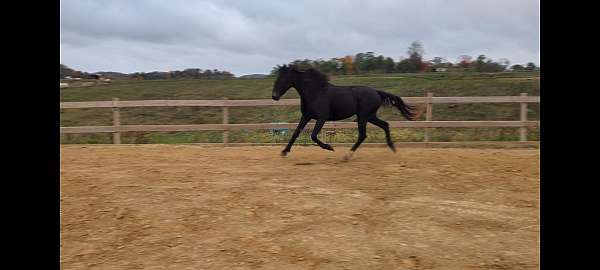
<point>116,129</point>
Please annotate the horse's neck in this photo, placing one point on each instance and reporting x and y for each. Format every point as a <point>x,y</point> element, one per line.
<point>304,96</point>
<point>306,92</point>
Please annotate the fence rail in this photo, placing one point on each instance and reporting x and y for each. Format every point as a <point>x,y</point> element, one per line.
<point>429,100</point>
<point>282,102</point>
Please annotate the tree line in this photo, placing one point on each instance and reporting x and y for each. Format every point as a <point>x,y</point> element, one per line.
<point>368,63</point>
<point>191,73</point>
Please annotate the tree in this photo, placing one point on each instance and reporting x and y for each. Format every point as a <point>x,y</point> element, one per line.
<point>302,64</point>
<point>416,49</point>
<point>491,66</point>
<point>331,66</point>
<point>464,61</point>
<point>437,61</point>
<point>358,62</point>
<point>479,63</point>
<point>530,66</point>
<point>348,65</point>
<point>517,67</point>
<point>484,64</point>
<point>379,63</point>
<point>415,55</point>
<point>207,74</point>
<point>406,66</point>
<point>388,65</point>
<point>334,65</point>
<point>370,62</point>
<point>365,62</point>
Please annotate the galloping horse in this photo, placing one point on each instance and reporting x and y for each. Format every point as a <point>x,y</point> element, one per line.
<point>323,101</point>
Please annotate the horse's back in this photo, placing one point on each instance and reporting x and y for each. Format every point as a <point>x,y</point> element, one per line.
<point>343,102</point>
<point>347,101</point>
<point>368,95</point>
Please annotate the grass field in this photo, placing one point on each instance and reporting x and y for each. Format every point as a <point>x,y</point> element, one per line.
<point>441,84</point>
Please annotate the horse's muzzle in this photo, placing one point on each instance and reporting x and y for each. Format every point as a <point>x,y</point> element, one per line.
<point>275,98</point>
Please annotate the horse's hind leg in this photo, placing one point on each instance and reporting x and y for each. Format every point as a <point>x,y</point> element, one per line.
<point>362,135</point>
<point>386,127</point>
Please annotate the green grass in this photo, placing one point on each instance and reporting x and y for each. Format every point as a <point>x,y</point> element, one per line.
<point>441,84</point>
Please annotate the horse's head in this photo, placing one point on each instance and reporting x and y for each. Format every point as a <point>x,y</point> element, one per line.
<point>286,78</point>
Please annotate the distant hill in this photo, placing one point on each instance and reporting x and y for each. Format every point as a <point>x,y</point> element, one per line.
<point>254,76</point>
<point>67,71</point>
<point>113,75</point>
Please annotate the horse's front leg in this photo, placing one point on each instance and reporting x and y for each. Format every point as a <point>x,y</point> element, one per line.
<point>315,132</point>
<point>299,128</point>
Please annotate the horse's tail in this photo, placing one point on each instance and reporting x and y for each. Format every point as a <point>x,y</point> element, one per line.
<point>406,110</point>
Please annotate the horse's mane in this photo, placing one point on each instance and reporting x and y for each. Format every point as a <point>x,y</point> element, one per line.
<point>311,74</point>
<point>317,77</point>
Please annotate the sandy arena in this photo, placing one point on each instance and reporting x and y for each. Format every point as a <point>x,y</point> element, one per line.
<point>199,207</point>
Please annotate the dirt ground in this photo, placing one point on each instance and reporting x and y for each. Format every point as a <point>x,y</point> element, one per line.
<point>199,207</point>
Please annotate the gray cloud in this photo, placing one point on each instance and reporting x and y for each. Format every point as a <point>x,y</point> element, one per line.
<point>252,36</point>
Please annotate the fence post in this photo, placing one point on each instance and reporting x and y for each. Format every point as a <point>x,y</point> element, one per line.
<point>116,114</point>
<point>428,115</point>
<point>225,121</point>
<point>523,129</point>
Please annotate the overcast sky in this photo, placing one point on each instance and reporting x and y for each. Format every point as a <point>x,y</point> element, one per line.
<point>252,36</point>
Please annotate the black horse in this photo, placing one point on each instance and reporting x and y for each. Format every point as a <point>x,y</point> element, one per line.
<point>323,101</point>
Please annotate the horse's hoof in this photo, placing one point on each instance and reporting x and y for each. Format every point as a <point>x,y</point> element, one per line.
<point>328,147</point>
<point>392,146</point>
<point>348,156</point>
<point>284,153</point>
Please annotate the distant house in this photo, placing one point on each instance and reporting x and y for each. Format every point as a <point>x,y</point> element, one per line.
<point>441,69</point>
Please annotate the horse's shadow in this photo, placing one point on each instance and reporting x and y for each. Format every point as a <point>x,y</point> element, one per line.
<point>304,163</point>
